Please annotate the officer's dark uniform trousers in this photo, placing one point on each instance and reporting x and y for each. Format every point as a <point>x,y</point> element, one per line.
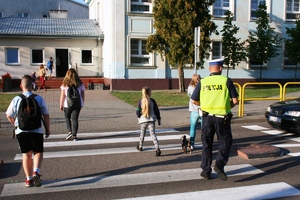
<point>210,126</point>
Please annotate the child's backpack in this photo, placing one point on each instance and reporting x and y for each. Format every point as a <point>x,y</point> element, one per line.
<point>29,113</point>
<point>73,97</point>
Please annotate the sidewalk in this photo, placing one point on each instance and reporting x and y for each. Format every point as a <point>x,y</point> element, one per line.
<point>104,112</point>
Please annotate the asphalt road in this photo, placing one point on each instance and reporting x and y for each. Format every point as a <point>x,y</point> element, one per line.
<point>104,162</point>
<point>106,165</point>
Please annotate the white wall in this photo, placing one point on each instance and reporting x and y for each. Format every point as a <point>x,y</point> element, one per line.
<point>49,45</point>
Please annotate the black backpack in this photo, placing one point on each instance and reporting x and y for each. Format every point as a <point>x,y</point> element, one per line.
<point>73,97</point>
<point>29,113</point>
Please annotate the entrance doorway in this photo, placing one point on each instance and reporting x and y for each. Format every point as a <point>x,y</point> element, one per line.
<point>61,62</point>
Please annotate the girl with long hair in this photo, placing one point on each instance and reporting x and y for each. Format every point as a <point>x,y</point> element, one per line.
<point>147,112</point>
<point>71,113</point>
<point>42,75</point>
<point>194,110</point>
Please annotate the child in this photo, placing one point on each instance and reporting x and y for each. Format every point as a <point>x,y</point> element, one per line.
<point>194,110</point>
<point>33,76</point>
<point>147,112</point>
<point>50,67</point>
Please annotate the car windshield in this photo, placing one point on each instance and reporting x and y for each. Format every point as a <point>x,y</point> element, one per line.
<point>292,101</point>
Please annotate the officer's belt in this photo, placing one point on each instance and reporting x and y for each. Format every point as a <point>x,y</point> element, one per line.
<point>219,116</point>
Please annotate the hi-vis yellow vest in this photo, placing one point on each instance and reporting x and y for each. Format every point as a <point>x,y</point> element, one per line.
<point>214,95</point>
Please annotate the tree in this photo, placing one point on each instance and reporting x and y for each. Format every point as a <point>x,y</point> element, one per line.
<point>232,49</point>
<point>174,23</point>
<point>264,43</point>
<point>292,48</point>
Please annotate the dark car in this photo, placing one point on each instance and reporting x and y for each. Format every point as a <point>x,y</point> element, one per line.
<point>285,115</point>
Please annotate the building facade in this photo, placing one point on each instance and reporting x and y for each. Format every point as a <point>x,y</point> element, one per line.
<point>54,28</point>
<point>26,43</point>
<point>127,24</point>
<point>43,9</point>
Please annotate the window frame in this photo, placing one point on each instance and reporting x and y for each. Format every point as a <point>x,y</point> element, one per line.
<point>140,3</point>
<point>6,56</point>
<point>255,66</point>
<point>286,59</point>
<point>31,56</point>
<point>229,8</point>
<point>23,15</point>
<point>253,18</point>
<point>220,52</point>
<point>291,12</point>
<point>81,57</point>
<point>140,53</point>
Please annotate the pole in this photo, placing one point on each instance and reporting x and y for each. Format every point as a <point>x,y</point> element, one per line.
<point>197,44</point>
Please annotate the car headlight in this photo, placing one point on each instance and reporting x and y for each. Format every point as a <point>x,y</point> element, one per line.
<point>292,113</point>
<point>269,109</point>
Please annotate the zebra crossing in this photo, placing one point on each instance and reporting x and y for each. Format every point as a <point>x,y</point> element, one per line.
<point>262,191</point>
<point>278,133</point>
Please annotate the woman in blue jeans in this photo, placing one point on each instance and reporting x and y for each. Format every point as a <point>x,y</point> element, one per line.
<point>194,110</point>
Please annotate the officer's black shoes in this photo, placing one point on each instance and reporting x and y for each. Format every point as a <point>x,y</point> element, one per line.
<point>221,173</point>
<point>205,176</point>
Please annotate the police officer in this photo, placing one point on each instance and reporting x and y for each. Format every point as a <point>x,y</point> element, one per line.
<point>217,95</point>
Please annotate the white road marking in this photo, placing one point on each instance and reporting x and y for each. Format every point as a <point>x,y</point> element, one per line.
<point>255,127</point>
<point>263,191</point>
<point>274,132</point>
<point>110,140</point>
<point>116,133</point>
<point>286,145</point>
<point>278,133</point>
<point>93,152</point>
<point>296,139</point>
<point>49,186</point>
<point>294,154</point>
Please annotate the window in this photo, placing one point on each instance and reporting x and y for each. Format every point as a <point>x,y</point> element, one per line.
<point>37,56</point>
<point>12,56</point>
<point>216,50</point>
<point>289,63</point>
<point>221,7</point>
<point>23,15</point>
<point>143,6</point>
<point>254,7</point>
<point>286,61</point>
<point>292,10</point>
<point>253,64</point>
<point>86,56</point>
<point>138,53</point>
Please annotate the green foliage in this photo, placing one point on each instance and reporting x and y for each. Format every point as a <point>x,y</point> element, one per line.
<point>172,98</point>
<point>5,100</point>
<point>264,43</point>
<point>233,50</point>
<point>292,47</point>
<point>174,23</point>
<point>163,98</point>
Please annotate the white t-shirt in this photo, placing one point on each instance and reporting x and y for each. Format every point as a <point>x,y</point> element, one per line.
<point>192,107</point>
<point>80,89</point>
<point>13,108</point>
